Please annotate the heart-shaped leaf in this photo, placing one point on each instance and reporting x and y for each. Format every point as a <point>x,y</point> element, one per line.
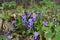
<point>57,29</point>
<point>3,37</point>
<point>57,37</point>
<point>49,35</point>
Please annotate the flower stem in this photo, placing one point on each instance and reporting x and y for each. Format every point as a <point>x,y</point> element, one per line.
<point>40,37</point>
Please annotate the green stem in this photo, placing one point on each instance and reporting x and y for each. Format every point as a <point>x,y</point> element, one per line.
<point>40,37</point>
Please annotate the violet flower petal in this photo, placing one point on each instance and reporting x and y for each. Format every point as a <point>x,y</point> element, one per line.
<point>35,35</point>
<point>34,18</point>
<point>44,23</point>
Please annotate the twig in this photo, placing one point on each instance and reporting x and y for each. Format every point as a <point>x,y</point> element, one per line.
<point>2,26</point>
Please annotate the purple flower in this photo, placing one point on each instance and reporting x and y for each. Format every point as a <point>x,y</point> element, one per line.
<point>29,26</point>
<point>35,35</point>
<point>51,20</point>
<point>26,13</point>
<point>29,14</point>
<point>7,33</point>
<point>45,23</point>
<point>30,23</point>
<point>24,19</point>
<point>30,20</point>
<point>34,17</point>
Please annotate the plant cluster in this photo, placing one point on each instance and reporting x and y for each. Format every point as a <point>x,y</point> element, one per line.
<point>35,22</point>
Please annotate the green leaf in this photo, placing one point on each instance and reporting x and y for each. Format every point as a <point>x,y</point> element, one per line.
<point>50,23</point>
<point>28,31</point>
<point>18,20</point>
<point>1,8</point>
<point>57,37</point>
<point>4,15</point>
<point>57,29</point>
<point>58,15</point>
<point>45,28</point>
<point>3,37</point>
<point>23,32</point>
<point>49,35</point>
